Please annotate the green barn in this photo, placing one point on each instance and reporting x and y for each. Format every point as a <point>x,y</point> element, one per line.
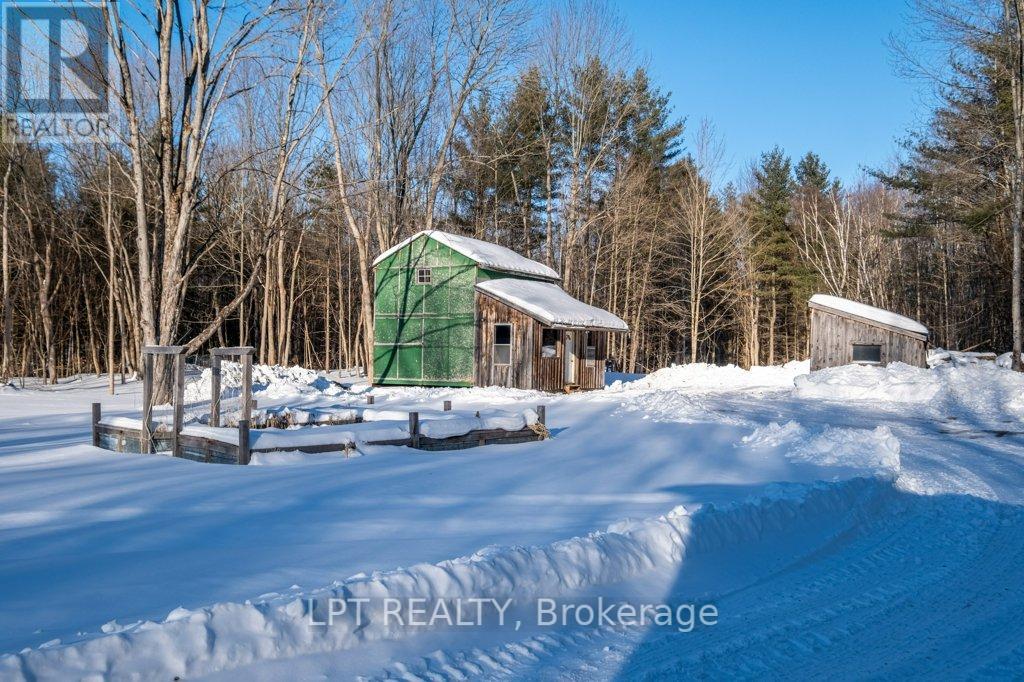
<point>456,311</point>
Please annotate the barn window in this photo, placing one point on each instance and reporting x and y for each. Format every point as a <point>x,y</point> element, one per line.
<point>502,344</point>
<point>422,275</point>
<point>867,353</point>
<point>549,343</point>
<point>590,346</point>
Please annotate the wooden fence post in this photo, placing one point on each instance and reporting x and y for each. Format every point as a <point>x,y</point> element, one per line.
<point>414,429</point>
<point>246,387</point>
<point>96,416</point>
<point>541,414</point>
<point>147,403</point>
<point>447,405</point>
<point>214,389</point>
<point>179,403</point>
<point>243,441</point>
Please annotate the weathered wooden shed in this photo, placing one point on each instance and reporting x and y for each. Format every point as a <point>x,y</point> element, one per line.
<point>845,332</point>
<point>456,311</point>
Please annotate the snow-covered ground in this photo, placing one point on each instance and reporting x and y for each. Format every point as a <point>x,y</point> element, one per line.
<point>857,521</point>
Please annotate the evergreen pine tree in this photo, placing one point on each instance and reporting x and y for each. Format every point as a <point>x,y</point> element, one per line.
<point>769,217</point>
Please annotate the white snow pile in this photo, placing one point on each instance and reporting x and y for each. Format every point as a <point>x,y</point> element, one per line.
<point>896,383</point>
<point>876,450</point>
<point>272,381</point>
<point>295,457</point>
<point>190,643</point>
<point>122,422</point>
<point>343,436</point>
<point>773,435</point>
<point>1006,360</point>
<point>983,391</point>
<point>940,356</point>
<point>492,419</point>
<point>321,414</point>
<point>699,376</point>
<point>450,423</point>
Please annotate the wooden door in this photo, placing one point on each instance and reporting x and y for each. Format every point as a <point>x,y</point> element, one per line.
<point>569,355</point>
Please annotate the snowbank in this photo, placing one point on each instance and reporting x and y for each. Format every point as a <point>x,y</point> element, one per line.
<point>271,381</point>
<point>896,383</point>
<point>295,457</point>
<point>876,450</point>
<point>446,424</point>
<point>301,416</point>
<point>228,635</point>
<point>341,436</point>
<point>508,421</point>
<point>1006,360</point>
<point>940,356</point>
<point>122,422</point>
<point>983,391</point>
<point>773,435</point>
<point>704,377</point>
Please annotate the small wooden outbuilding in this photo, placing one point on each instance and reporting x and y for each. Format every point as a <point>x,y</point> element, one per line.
<point>555,341</point>
<point>847,332</point>
<point>451,310</point>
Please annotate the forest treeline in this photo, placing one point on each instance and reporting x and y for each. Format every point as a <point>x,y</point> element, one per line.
<point>270,150</point>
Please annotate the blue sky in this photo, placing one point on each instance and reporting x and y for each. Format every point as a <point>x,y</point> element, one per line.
<point>802,74</point>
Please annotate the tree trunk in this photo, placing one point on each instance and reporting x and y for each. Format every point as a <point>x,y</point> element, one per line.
<point>7,309</point>
<point>1012,11</point>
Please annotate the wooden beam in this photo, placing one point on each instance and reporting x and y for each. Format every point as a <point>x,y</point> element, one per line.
<point>234,351</point>
<point>163,350</point>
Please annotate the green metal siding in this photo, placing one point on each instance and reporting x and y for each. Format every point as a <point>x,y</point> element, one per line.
<point>483,275</point>
<point>424,334</point>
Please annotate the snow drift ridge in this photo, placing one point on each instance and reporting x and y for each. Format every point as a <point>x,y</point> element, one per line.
<point>229,635</point>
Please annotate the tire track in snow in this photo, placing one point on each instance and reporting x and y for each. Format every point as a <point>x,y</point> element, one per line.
<point>919,585</point>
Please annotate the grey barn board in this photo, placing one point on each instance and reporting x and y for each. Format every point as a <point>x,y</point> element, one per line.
<point>833,335</point>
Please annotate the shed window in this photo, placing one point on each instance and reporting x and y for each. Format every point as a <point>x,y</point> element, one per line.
<point>422,275</point>
<point>549,343</point>
<point>867,353</point>
<point>590,346</point>
<point>502,344</point>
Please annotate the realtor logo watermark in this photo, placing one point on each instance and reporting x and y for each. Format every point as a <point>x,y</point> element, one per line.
<point>390,614</point>
<point>56,66</point>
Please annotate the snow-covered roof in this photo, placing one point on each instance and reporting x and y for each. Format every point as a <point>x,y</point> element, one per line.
<point>486,254</point>
<point>869,312</point>
<point>548,303</point>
